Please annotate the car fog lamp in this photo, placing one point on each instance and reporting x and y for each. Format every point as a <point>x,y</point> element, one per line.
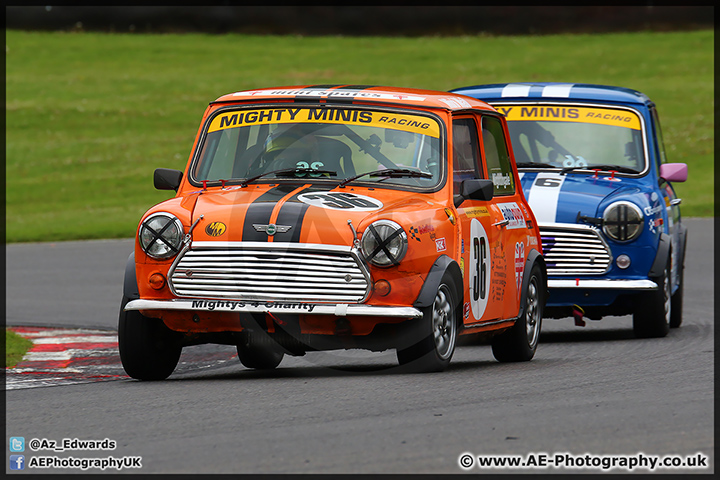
<point>623,221</point>
<point>382,287</point>
<point>384,243</point>
<point>161,235</point>
<point>623,261</point>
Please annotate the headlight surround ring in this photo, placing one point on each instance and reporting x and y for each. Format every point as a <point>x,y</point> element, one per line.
<point>384,243</point>
<point>623,221</point>
<point>161,235</point>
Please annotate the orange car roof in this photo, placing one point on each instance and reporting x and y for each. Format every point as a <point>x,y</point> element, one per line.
<point>358,94</point>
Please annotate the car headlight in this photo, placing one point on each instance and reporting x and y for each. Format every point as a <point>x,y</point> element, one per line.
<point>384,243</point>
<point>161,235</point>
<point>623,221</point>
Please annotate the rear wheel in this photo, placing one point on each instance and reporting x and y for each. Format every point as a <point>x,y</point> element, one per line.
<point>439,330</point>
<point>652,315</point>
<point>519,343</point>
<point>149,350</point>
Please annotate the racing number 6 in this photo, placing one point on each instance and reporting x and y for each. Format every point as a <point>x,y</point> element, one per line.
<point>480,282</point>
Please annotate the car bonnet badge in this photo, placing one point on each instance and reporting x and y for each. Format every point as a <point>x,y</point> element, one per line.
<point>271,229</point>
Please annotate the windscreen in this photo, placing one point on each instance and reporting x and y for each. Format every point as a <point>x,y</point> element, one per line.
<point>548,136</point>
<point>320,144</point>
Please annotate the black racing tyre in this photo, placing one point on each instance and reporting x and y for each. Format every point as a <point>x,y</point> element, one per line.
<point>438,329</point>
<point>259,357</point>
<point>676,302</point>
<point>651,318</point>
<point>519,343</point>
<point>149,350</point>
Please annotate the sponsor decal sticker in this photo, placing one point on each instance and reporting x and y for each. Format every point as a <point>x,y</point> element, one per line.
<point>414,233</point>
<point>519,264</point>
<point>525,211</point>
<point>229,305</point>
<point>475,212</point>
<point>320,93</point>
<point>440,245</point>
<point>653,210</point>
<point>215,229</point>
<point>499,278</point>
<point>512,212</point>
<point>340,116</point>
<point>501,180</point>
<point>601,116</point>
<point>428,229</point>
<point>455,103</point>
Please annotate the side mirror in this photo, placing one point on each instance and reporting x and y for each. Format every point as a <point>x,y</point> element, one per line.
<point>167,179</point>
<point>475,189</point>
<point>673,172</point>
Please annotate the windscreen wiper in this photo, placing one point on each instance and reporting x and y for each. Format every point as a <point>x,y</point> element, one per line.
<point>388,172</point>
<point>288,172</point>
<point>607,168</point>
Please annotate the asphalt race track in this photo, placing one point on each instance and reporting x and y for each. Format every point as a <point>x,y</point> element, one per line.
<point>590,392</point>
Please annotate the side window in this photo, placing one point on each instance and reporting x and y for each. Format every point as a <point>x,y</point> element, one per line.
<point>497,157</point>
<point>465,152</point>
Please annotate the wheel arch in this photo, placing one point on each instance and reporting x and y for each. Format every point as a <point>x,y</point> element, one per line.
<point>443,265</point>
<point>533,258</point>
<point>661,257</point>
<point>130,286</point>
<point>682,250</point>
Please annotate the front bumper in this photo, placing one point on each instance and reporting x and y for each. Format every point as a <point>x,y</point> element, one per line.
<point>338,310</point>
<point>607,296</point>
<point>602,284</point>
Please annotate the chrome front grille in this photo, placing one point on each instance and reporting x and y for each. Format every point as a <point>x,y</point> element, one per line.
<point>267,271</point>
<point>574,250</point>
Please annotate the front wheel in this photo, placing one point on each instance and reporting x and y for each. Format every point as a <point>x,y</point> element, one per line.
<point>519,343</point>
<point>439,330</point>
<point>149,350</point>
<point>676,301</point>
<point>652,314</point>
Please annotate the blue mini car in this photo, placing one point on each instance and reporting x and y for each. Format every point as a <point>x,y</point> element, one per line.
<point>594,171</point>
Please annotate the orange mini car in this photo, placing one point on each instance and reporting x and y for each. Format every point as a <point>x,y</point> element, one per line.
<point>337,217</point>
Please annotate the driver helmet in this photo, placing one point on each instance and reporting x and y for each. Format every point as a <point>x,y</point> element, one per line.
<point>286,149</point>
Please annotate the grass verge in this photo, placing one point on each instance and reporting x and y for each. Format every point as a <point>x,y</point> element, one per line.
<point>16,347</point>
<point>89,116</point>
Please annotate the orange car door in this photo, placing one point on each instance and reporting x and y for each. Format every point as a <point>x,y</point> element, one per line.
<point>484,269</point>
<point>510,251</point>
